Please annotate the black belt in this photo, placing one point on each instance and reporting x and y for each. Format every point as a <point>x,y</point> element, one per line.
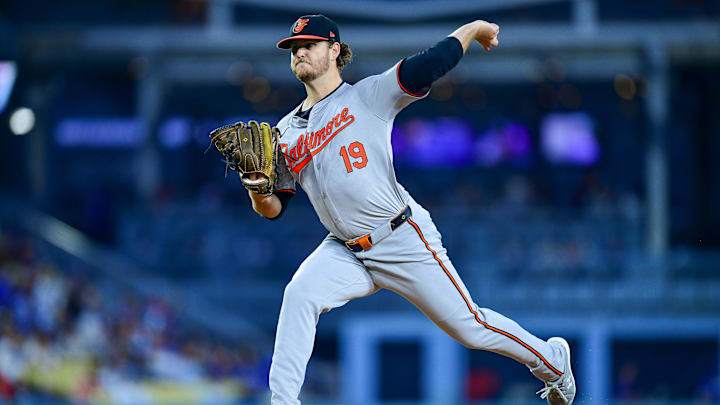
<point>365,242</point>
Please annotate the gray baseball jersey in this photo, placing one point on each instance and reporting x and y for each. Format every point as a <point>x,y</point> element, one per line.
<point>342,157</point>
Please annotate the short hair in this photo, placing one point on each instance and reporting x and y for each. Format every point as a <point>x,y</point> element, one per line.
<point>345,56</point>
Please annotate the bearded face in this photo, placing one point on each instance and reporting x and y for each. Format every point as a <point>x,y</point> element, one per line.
<point>310,59</point>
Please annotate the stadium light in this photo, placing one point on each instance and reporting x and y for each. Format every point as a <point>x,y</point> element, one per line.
<point>22,121</point>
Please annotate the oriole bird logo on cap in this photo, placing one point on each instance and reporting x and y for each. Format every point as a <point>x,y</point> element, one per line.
<point>299,25</point>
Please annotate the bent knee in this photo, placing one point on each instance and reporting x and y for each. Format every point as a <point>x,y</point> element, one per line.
<point>300,294</point>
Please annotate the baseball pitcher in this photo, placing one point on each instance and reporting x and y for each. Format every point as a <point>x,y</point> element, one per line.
<point>336,145</point>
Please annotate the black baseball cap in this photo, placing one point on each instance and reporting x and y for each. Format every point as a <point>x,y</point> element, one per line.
<point>314,26</point>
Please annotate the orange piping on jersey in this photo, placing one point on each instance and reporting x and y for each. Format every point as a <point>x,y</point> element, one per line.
<point>467,302</point>
<point>397,74</point>
<point>344,117</point>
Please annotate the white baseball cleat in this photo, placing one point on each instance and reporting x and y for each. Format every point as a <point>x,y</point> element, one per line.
<point>562,390</point>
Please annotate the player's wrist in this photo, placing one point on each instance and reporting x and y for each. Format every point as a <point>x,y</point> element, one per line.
<point>258,197</point>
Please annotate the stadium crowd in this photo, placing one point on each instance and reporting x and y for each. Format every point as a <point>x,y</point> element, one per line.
<point>66,337</point>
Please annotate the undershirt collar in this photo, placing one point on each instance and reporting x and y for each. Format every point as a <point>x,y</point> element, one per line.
<point>306,114</point>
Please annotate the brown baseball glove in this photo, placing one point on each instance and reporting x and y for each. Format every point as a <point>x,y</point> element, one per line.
<point>247,149</point>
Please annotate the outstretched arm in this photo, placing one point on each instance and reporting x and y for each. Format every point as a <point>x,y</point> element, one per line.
<point>418,72</point>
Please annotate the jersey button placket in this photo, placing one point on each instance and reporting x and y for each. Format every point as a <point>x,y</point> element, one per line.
<point>322,182</point>
<point>319,178</point>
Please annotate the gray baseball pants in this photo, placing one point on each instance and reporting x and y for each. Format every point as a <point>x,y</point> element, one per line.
<point>413,263</point>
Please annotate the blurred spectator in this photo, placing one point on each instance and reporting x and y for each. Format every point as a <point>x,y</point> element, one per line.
<point>12,362</point>
<point>49,296</point>
<point>64,338</point>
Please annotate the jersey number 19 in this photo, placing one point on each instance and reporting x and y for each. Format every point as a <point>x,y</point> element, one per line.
<point>357,151</point>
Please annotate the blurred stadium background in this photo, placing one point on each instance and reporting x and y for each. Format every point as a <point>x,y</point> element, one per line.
<point>573,171</point>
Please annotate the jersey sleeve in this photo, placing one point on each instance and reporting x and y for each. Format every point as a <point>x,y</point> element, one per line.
<point>417,73</point>
<point>384,95</point>
<point>284,180</point>
<point>284,185</point>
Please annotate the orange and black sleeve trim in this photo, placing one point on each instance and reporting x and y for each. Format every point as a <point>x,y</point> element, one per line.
<point>418,72</point>
<point>470,308</point>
